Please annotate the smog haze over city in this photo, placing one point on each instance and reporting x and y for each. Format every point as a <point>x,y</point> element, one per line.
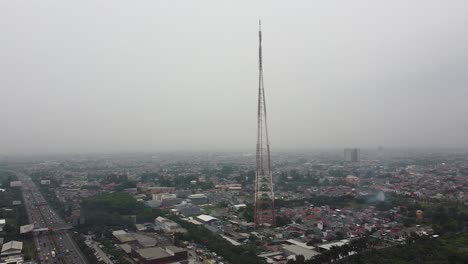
<point>119,76</point>
<point>234,132</point>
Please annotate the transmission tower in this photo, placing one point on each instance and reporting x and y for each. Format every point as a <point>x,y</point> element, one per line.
<point>264,196</point>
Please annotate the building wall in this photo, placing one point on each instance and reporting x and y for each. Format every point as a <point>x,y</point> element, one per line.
<point>154,190</point>
<point>181,256</point>
<point>352,154</point>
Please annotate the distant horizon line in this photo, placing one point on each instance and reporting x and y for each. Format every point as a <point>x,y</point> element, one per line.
<point>233,150</point>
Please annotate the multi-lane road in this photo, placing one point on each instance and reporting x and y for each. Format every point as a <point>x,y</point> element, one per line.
<point>48,243</point>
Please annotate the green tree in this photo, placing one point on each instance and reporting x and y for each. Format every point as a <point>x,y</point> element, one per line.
<point>282,221</point>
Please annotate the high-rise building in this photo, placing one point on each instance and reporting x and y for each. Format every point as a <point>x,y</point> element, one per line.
<point>352,154</point>
<point>264,196</point>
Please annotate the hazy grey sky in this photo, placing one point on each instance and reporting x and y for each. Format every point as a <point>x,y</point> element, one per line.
<point>162,75</point>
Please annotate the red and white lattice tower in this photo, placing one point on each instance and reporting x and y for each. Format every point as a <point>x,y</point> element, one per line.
<point>264,196</point>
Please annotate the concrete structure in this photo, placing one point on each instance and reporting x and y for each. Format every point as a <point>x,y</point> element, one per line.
<point>299,243</point>
<point>171,202</point>
<point>230,240</point>
<point>183,193</point>
<point>163,196</point>
<point>328,246</point>
<point>122,236</point>
<point>126,248</point>
<point>16,259</point>
<point>239,206</point>
<point>198,198</point>
<point>26,228</point>
<point>298,250</point>
<point>15,184</point>
<point>98,252</point>
<point>155,255</point>
<point>168,226</point>
<point>45,182</point>
<point>205,219</point>
<point>352,154</point>
<point>188,209</point>
<point>231,186</point>
<point>276,257</point>
<point>140,227</point>
<point>145,241</point>
<point>2,224</point>
<point>351,179</point>
<point>164,200</point>
<point>153,190</point>
<point>11,248</point>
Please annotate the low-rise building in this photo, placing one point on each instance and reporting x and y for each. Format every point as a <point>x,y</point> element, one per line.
<point>168,226</point>
<point>206,219</point>
<point>15,184</point>
<point>122,236</point>
<point>45,182</point>
<point>11,248</point>
<point>188,209</point>
<point>198,199</point>
<point>155,255</point>
<point>298,250</point>
<point>153,190</point>
<point>351,179</point>
<point>26,228</point>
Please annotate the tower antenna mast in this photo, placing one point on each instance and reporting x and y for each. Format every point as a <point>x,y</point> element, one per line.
<point>264,195</point>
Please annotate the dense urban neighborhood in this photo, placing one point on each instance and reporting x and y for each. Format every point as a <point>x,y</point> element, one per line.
<point>377,207</point>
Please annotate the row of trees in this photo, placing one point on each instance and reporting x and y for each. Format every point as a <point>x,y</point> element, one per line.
<point>5,178</point>
<point>449,218</point>
<point>115,210</point>
<point>117,255</point>
<point>15,217</point>
<point>88,252</point>
<point>418,250</point>
<point>444,216</point>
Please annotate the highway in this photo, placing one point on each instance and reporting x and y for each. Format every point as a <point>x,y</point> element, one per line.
<point>42,216</point>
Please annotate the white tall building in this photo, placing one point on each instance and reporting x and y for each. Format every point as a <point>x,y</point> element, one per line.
<point>352,154</point>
